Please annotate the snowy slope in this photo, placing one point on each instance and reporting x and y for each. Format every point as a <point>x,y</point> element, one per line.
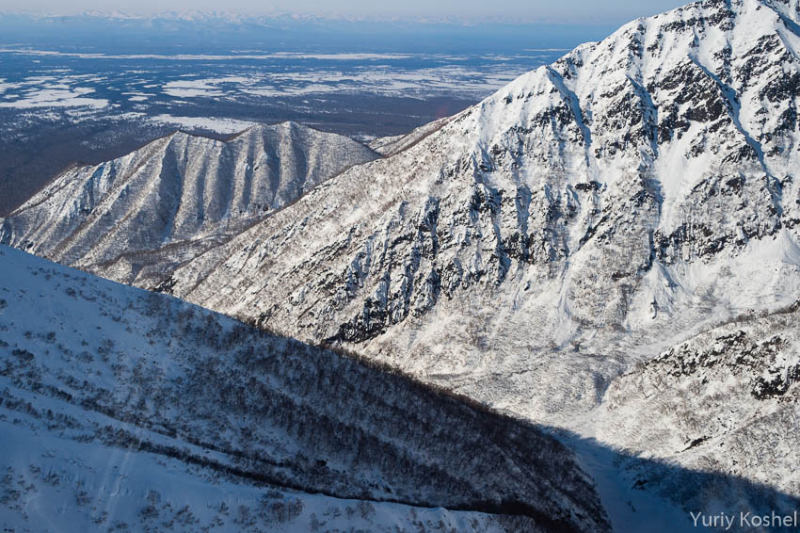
<point>584,219</point>
<point>724,401</point>
<point>537,249</point>
<point>123,406</point>
<point>134,218</point>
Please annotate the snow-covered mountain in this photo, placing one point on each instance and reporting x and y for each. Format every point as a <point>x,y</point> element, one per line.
<point>120,406</point>
<point>136,217</point>
<point>584,219</point>
<point>552,251</point>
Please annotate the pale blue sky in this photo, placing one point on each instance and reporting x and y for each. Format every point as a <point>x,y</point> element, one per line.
<point>529,11</point>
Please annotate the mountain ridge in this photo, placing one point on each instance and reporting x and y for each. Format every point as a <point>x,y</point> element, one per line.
<point>181,190</point>
<point>591,185</point>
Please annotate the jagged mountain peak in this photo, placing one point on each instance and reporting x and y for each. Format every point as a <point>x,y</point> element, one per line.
<point>183,191</point>
<point>580,220</point>
<point>287,126</point>
<point>645,60</point>
<point>651,137</point>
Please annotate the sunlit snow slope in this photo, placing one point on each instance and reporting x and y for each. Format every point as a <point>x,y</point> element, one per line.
<point>137,217</point>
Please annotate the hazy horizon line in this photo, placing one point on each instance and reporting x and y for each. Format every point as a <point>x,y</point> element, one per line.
<point>232,16</point>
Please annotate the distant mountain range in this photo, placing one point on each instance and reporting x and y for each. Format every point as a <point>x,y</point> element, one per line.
<point>177,32</point>
<point>270,17</point>
<point>607,247</point>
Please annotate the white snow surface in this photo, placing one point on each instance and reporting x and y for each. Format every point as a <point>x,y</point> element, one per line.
<point>51,95</point>
<point>216,124</point>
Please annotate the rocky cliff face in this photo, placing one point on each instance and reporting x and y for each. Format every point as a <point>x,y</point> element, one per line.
<point>135,218</point>
<point>605,202</point>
